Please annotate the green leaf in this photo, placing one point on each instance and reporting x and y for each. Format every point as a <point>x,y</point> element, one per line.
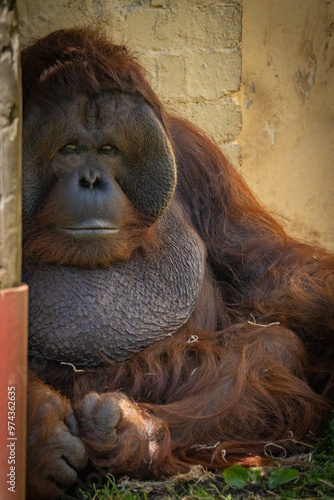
<point>281,476</point>
<point>236,476</point>
<point>255,475</point>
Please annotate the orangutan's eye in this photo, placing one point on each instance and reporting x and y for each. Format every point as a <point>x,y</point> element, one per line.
<point>108,148</point>
<point>69,149</point>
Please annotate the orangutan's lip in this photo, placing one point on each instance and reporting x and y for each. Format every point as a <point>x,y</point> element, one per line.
<point>89,230</point>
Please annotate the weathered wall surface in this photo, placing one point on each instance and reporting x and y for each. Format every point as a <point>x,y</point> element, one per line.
<point>190,49</point>
<point>287,100</point>
<point>10,151</point>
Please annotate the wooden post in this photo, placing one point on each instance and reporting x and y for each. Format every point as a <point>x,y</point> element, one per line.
<point>13,295</point>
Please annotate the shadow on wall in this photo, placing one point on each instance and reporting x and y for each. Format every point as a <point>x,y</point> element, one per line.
<point>287,100</point>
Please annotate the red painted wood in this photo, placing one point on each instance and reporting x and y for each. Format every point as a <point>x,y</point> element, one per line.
<point>13,395</point>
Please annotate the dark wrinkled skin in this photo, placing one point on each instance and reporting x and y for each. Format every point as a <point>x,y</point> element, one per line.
<point>72,326</point>
<point>139,165</point>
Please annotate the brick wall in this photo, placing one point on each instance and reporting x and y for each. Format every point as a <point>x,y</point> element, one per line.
<point>190,49</point>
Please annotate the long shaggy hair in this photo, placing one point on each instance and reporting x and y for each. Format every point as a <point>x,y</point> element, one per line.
<point>254,364</point>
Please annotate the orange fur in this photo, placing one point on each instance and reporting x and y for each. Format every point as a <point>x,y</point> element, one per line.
<point>223,386</point>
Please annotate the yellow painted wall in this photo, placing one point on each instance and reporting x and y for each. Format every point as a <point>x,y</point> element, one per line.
<point>287,100</point>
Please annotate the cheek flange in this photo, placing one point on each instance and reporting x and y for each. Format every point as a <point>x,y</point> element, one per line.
<point>77,315</point>
<point>151,171</point>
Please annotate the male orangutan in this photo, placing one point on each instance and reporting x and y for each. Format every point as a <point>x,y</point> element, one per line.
<point>172,320</point>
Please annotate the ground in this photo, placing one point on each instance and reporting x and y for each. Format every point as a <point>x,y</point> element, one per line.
<point>307,475</point>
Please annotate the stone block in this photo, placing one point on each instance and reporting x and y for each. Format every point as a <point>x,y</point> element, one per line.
<point>220,119</point>
<point>212,73</point>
